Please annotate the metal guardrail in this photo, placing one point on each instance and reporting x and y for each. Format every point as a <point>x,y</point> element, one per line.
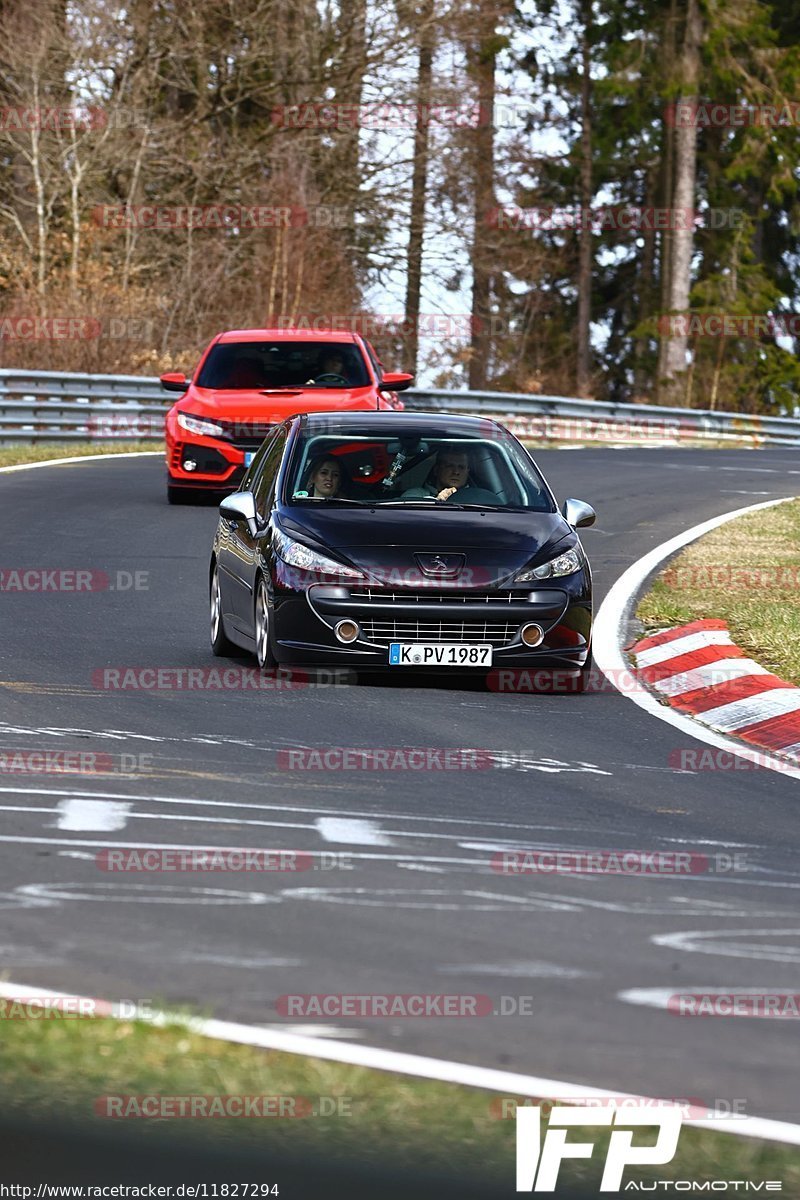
<point>48,406</point>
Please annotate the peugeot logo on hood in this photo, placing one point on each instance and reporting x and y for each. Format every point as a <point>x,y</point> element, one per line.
<point>441,565</point>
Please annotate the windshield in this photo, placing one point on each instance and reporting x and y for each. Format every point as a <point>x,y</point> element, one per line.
<point>423,467</point>
<point>283,364</point>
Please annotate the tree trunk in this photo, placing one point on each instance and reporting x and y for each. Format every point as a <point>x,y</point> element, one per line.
<point>482,60</point>
<point>683,201</point>
<point>583,371</point>
<point>416,232</point>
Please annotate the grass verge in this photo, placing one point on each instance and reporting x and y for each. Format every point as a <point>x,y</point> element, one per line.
<point>746,573</point>
<point>60,1068</point>
<point>12,456</point>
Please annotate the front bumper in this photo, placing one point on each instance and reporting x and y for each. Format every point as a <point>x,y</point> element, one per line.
<point>304,622</point>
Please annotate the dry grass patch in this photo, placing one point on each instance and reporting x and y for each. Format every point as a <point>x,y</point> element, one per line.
<point>746,573</point>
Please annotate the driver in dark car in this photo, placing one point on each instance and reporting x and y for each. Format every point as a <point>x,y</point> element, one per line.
<point>450,472</point>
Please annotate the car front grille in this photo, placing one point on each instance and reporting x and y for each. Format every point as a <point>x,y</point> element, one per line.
<point>435,594</point>
<point>496,633</point>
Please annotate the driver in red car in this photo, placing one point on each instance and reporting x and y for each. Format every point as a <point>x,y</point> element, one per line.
<point>332,367</point>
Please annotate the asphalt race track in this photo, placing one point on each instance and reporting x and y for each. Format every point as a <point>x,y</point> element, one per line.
<point>421,910</point>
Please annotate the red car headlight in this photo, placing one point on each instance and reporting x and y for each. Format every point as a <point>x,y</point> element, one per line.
<point>199,425</point>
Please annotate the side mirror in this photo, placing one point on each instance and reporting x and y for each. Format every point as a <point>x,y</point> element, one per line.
<point>578,513</point>
<point>175,381</point>
<point>241,506</point>
<point>396,381</point>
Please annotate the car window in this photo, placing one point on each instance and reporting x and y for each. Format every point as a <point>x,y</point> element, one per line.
<point>376,364</point>
<point>264,484</point>
<point>252,472</point>
<point>265,366</point>
<point>375,466</point>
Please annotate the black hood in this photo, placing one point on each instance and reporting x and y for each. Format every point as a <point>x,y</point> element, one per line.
<point>492,544</point>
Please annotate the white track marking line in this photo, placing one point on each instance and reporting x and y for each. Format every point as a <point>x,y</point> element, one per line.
<point>293,808</point>
<point>353,833</point>
<point>85,815</point>
<point>709,675</point>
<point>717,942</point>
<point>489,1079</point>
<point>80,458</point>
<point>610,629</point>
<point>682,645</point>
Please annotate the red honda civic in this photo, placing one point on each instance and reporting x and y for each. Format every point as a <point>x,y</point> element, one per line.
<point>251,379</point>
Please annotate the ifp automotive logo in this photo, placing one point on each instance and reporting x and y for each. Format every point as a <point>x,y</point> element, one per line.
<point>539,1161</point>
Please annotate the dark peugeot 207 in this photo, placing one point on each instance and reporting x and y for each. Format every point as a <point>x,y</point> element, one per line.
<point>388,540</point>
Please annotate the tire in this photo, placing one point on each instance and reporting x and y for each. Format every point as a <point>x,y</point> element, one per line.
<point>220,644</point>
<point>263,629</point>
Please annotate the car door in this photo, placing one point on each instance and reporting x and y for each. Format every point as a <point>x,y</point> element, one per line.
<point>244,547</point>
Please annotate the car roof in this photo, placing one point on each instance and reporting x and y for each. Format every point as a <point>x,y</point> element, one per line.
<point>287,335</point>
<point>446,422</point>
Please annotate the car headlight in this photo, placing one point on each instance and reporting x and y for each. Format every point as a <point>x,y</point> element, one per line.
<point>199,425</point>
<point>565,564</point>
<point>297,555</point>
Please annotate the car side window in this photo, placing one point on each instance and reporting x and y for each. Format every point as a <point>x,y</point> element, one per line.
<point>264,484</point>
<point>378,369</point>
<point>252,472</point>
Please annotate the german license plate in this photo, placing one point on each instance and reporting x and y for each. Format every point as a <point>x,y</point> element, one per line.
<point>248,458</point>
<point>439,654</point>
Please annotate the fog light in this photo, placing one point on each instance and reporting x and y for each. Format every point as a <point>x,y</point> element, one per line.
<point>347,631</point>
<point>532,635</point>
<point>189,464</point>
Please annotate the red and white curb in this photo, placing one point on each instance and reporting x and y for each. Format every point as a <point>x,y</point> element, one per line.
<point>611,634</point>
<point>699,670</point>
